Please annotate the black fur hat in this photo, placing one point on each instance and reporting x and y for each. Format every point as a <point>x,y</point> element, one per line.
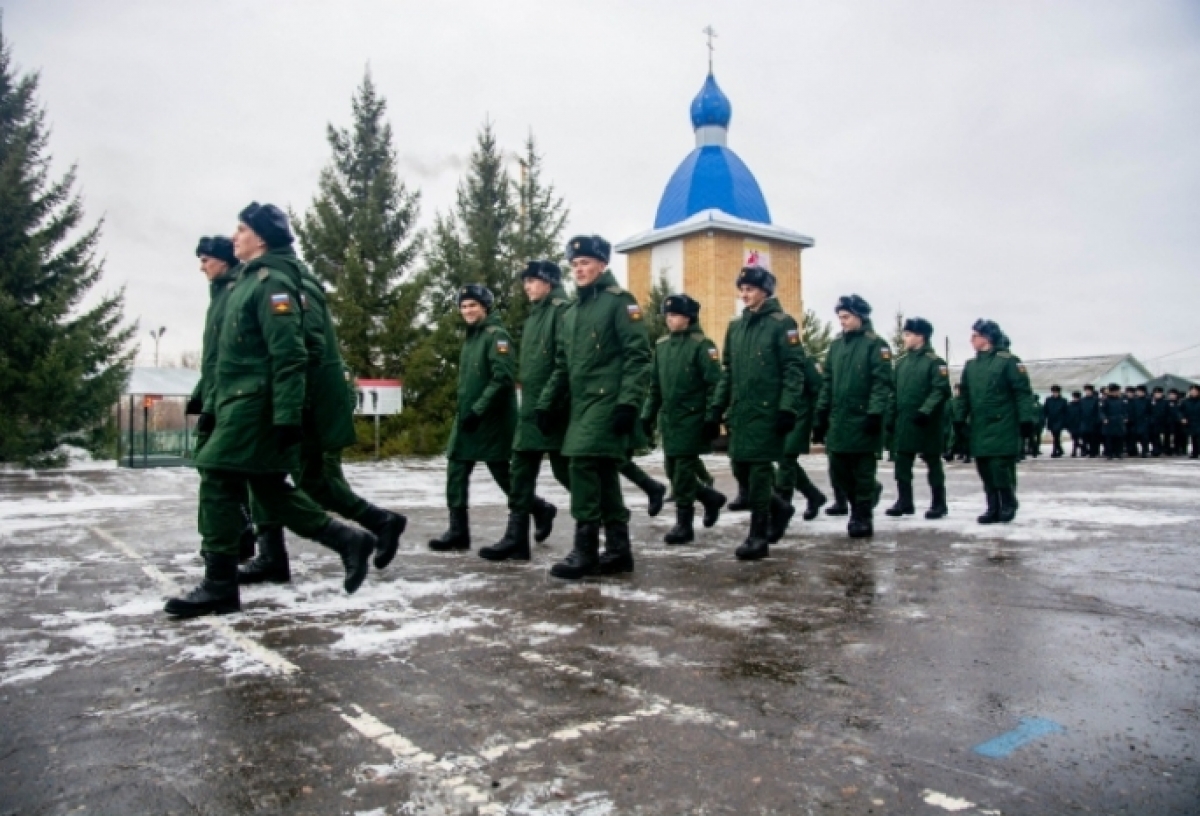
<point>1076,395</point>
<point>681,304</point>
<point>547,271</point>
<point>919,325</point>
<point>989,329</point>
<point>855,305</point>
<point>589,246</point>
<point>757,276</point>
<point>1056,388</point>
<point>1089,387</point>
<point>478,293</point>
<point>269,223</point>
<point>219,247</point>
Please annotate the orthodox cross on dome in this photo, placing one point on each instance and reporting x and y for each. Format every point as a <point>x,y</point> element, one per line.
<point>711,32</point>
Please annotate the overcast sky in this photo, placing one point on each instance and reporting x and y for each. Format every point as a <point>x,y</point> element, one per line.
<point>1036,162</point>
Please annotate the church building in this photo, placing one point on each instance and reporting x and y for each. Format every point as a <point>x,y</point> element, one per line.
<point>712,220</point>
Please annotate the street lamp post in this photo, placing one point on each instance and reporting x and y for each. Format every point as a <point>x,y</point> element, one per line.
<point>157,335</point>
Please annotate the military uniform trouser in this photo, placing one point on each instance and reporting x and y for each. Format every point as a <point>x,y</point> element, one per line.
<point>759,479</point>
<point>854,475</point>
<point>222,493</point>
<point>790,477</point>
<point>458,480</point>
<point>705,477</point>
<point>904,468</point>
<point>321,477</point>
<point>631,471</point>
<point>596,491</point>
<point>526,465</point>
<point>997,472</point>
<point>687,477</point>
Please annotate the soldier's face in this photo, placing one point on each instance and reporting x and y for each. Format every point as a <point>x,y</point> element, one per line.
<point>586,270</point>
<point>472,311</point>
<point>852,322</point>
<point>752,297</point>
<point>979,342</point>
<point>246,244</point>
<point>913,340</point>
<point>535,288</point>
<point>677,322</point>
<point>212,268</point>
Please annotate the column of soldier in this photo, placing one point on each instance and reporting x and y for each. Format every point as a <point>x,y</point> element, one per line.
<point>275,411</point>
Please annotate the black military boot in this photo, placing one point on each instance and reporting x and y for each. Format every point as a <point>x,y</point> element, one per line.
<point>584,559</point>
<point>354,546</point>
<point>740,502</point>
<point>387,527</point>
<point>543,513</point>
<point>904,502</point>
<point>271,564</point>
<point>839,506</point>
<point>618,552</point>
<point>937,508</point>
<point>457,537</point>
<point>1007,501</point>
<point>656,492</point>
<point>780,516</point>
<point>682,532</point>
<point>515,544</point>
<point>860,524</point>
<point>756,546</point>
<point>216,594</point>
<point>712,501</point>
<point>992,516</point>
<point>815,501</point>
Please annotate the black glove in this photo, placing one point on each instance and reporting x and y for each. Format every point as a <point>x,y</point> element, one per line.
<point>206,423</point>
<point>873,424</point>
<point>623,418</point>
<point>921,420</point>
<point>194,406</point>
<point>785,421</point>
<point>470,422</point>
<point>648,427</point>
<point>711,430</point>
<point>287,436</point>
<point>820,428</point>
<point>1027,428</point>
<point>544,421</point>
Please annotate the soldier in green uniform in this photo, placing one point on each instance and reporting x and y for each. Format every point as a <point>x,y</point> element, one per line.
<point>487,411</point>
<point>259,399</point>
<point>602,370</point>
<point>542,281</point>
<point>916,417</point>
<point>850,410</point>
<point>790,475</point>
<point>683,384</point>
<point>328,428</point>
<point>998,401</point>
<point>217,262</point>
<point>760,396</point>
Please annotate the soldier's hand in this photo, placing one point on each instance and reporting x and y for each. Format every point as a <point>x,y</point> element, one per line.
<point>470,422</point>
<point>711,429</point>
<point>194,406</point>
<point>921,420</point>
<point>206,423</point>
<point>623,418</point>
<point>544,421</point>
<point>873,424</point>
<point>287,436</point>
<point>785,422</point>
<point>1027,428</point>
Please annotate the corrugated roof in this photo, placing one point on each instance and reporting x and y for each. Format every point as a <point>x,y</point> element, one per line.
<point>1070,372</point>
<point>164,382</point>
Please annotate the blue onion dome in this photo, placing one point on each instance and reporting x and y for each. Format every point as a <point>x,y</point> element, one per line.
<point>711,107</point>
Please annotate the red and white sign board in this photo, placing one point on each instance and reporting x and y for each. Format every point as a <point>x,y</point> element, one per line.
<point>379,397</point>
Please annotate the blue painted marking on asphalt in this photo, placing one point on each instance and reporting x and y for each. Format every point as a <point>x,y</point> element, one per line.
<point>1030,729</point>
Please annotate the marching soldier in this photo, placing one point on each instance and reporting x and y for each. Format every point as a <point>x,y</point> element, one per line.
<point>487,411</point>
<point>998,400</point>
<point>683,384</point>
<point>542,281</point>
<point>1113,419</point>
<point>1158,421</point>
<point>1178,439</point>
<point>602,369</point>
<point>328,428</point>
<point>1089,421</point>
<point>217,262</point>
<point>1074,412</point>
<point>259,399</point>
<point>1055,409</point>
<point>915,415</point>
<point>1139,423</point>
<point>760,396</point>
<point>1033,444</point>
<point>854,398</point>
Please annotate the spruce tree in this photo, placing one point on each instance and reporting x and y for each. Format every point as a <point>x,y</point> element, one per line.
<point>815,335</point>
<point>656,322</point>
<point>61,369</point>
<point>538,235</point>
<point>359,236</point>
<point>898,349</point>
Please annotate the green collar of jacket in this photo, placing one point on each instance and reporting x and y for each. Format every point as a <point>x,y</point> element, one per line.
<point>770,305</point>
<point>557,293</point>
<point>601,283</point>
<point>490,320</point>
<point>225,277</point>
<point>867,327</point>
<point>281,259</point>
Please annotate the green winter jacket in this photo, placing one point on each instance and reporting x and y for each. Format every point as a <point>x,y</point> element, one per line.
<point>858,382</point>
<point>799,441</point>
<point>539,341</point>
<point>683,387</point>
<point>602,360</point>
<point>997,398</point>
<point>486,386</point>
<point>218,291</point>
<point>762,373</point>
<point>922,389</point>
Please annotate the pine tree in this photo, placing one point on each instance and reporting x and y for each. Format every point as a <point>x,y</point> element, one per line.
<point>541,217</point>
<point>359,236</point>
<point>898,349</point>
<point>656,322</point>
<point>815,335</point>
<point>61,369</point>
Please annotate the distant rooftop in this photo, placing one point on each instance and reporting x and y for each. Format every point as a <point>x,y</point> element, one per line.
<point>162,382</point>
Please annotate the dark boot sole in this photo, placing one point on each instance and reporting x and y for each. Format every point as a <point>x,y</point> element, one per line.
<point>389,541</point>
<point>185,611</point>
<point>936,514</point>
<point>573,574</point>
<point>897,512</point>
<point>508,554</point>
<point>813,509</point>
<point>676,541</point>
<point>755,555</point>
<point>837,511</point>
<point>438,546</point>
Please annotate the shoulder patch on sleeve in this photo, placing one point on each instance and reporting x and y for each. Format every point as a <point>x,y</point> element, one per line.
<point>634,311</point>
<point>1021,368</point>
<point>885,352</point>
<point>944,370</point>
<point>713,354</point>
<point>281,303</point>
<point>501,345</point>
<point>793,337</point>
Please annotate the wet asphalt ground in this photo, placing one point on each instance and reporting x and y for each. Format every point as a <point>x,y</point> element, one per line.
<point>1044,667</point>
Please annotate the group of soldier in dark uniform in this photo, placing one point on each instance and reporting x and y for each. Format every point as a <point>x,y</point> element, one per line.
<point>275,411</point>
<point>1116,423</point>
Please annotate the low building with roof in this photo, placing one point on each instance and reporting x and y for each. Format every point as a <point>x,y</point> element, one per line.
<point>153,428</point>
